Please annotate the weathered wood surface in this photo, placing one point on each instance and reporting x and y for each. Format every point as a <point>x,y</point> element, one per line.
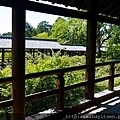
<point>91,49</point>
<point>108,107</point>
<point>18,60</point>
<point>111,106</point>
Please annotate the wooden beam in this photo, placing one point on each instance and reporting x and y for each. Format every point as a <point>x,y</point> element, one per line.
<point>6,80</point>
<point>44,8</point>
<point>39,7</point>
<point>91,48</point>
<point>6,103</point>
<point>57,71</point>
<point>6,3</point>
<point>108,20</point>
<point>40,95</point>
<point>18,59</point>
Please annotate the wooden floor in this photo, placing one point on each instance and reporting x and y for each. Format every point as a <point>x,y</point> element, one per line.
<point>111,106</point>
<point>109,109</point>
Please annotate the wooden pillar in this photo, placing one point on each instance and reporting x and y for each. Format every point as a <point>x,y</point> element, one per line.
<point>18,59</point>
<point>60,95</point>
<point>111,80</point>
<point>3,55</point>
<point>91,48</point>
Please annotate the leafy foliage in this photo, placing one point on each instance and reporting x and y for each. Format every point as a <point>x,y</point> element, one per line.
<point>42,35</point>
<point>44,26</point>
<point>60,30</point>
<point>35,85</point>
<point>7,34</point>
<point>69,30</point>
<point>66,31</point>
<point>113,45</point>
<point>30,30</point>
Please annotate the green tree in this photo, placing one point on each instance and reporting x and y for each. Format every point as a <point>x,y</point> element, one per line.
<point>113,44</point>
<point>60,30</point>
<point>30,31</point>
<point>42,35</point>
<point>69,30</point>
<point>103,35</point>
<point>44,26</point>
<point>7,34</point>
<point>77,29</point>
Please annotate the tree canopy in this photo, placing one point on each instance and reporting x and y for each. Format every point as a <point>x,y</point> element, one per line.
<point>7,34</point>
<point>43,26</point>
<point>69,30</point>
<point>30,30</point>
<point>74,31</point>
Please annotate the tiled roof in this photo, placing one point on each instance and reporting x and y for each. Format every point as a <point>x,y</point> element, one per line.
<point>6,42</point>
<point>73,47</point>
<point>42,44</point>
<point>35,43</point>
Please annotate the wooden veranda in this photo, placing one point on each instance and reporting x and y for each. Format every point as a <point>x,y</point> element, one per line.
<point>95,10</point>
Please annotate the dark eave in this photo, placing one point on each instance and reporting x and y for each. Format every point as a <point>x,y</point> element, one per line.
<point>108,10</point>
<point>106,7</point>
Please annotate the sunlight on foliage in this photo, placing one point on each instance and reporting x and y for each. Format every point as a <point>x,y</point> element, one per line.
<point>45,63</point>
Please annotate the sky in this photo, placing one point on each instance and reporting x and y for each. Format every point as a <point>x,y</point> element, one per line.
<point>31,17</point>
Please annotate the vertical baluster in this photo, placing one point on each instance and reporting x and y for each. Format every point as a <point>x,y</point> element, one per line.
<point>3,55</point>
<point>111,80</point>
<point>60,95</point>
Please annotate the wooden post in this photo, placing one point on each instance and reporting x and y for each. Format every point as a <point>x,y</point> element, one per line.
<point>3,55</point>
<point>111,80</point>
<point>33,51</point>
<point>18,59</point>
<point>45,52</point>
<point>60,96</point>
<point>91,48</point>
<point>50,52</point>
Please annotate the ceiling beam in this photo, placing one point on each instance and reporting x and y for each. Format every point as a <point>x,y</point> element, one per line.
<point>44,8</point>
<point>108,20</point>
<point>49,9</point>
<point>6,3</point>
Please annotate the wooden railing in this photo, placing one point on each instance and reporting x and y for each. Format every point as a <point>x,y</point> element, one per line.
<point>60,83</point>
<point>61,88</point>
<point>6,59</point>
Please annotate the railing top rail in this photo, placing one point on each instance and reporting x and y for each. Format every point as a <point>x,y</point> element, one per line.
<point>6,103</point>
<point>53,72</point>
<point>6,80</point>
<point>56,71</point>
<point>107,63</point>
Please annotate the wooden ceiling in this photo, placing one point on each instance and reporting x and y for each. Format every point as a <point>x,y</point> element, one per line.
<point>109,8</point>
